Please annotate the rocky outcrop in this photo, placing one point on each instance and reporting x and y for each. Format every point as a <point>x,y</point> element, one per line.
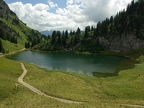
<point>6,31</point>
<point>122,43</point>
<point>4,10</point>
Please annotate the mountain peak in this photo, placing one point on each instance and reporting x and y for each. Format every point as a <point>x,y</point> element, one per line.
<point>4,10</point>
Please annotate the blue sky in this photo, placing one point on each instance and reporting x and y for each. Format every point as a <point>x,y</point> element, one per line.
<point>61,3</point>
<point>64,14</point>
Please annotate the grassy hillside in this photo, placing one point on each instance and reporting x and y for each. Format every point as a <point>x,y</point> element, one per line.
<point>17,28</point>
<point>10,47</point>
<point>20,31</point>
<point>10,97</point>
<point>15,31</point>
<point>9,71</point>
<point>127,88</point>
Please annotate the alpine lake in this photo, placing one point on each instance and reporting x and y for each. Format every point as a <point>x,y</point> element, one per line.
<point>87,64</point>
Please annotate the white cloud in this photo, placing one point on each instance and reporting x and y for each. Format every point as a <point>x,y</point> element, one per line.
<point>98,10</point>
<point>70,2</point>
<point>52,4</point>
<point>41,7</point>
<point>77,13</point>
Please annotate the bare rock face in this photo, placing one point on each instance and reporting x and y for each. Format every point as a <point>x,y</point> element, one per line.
<point>5,12</point>
<point>122,43</point>
<point>4,9</point>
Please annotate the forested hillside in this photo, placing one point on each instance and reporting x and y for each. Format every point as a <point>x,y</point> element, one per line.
<point>125,31</point>
<point>121,33</point>
<point>14,31</point>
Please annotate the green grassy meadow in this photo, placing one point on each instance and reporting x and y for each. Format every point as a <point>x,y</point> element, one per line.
<point>10,47</point>
<point>110,92</point>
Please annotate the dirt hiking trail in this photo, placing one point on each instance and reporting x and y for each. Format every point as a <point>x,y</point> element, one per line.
<point>20,80</point>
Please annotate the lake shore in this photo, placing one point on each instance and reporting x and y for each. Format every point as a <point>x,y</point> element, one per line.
<point>120,91</point>
<point>12,53</point>
<point>86,64</point>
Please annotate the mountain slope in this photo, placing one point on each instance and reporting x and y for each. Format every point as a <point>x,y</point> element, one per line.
<point>125,31</point>
<point>46,32</point>
<point>15,31</point>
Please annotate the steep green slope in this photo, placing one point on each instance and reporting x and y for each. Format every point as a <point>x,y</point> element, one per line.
<point>14,30</point>
<point>17,28</point>
<point>11,47</point>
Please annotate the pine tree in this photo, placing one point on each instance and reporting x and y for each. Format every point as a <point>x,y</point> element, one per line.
<point>88,28</point>
<point>66,34</point>
<point>78,31</point>
<point>75,41</point>
<point>71,33</point>
<point>27,44</point>
<point>1,46</point>
<point>86,33</point>
<point>59,40</point>
<point>92,28</point>
<point>64,41</point>
<point>53,40</point>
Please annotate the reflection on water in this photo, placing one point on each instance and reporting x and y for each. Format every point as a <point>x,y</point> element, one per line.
<point>70,62</point>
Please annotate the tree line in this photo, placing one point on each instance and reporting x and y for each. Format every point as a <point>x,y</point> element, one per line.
<point>124,22</point>
<point>129,20</point>
<point>33,38</point>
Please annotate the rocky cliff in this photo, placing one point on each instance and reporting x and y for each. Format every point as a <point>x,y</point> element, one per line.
<point>125,31</point>
<point>4,10</point>
<point>122,43</point>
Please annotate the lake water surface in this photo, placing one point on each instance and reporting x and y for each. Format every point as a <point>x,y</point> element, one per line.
<point>71,62</point>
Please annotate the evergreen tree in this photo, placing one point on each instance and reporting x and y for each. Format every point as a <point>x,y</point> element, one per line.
<point>75,41</point>
<point>59,40</point>
<point>111,19</point>
<point>98,29</point>
<point>64,41</point>
<point>94,34</point>
<point>63,34</point>
<point>53,39</point>
<point>1,46</point>
<point>71,33</point>
<point>86,32</point>
<point>104,27</point>
<point>27,44</point>
<point>66,34</point>
<point>92,28</point>
<point>88,28</point>
<point>33,43</point>
<point>71,42</point>
<point>78,31</point>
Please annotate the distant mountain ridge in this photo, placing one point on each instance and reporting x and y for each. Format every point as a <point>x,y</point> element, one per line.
<point>47,32</point>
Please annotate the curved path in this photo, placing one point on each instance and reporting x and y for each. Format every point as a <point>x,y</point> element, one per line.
<point>134,106</point>
<point>20,80</point>
<point>4,55</point>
